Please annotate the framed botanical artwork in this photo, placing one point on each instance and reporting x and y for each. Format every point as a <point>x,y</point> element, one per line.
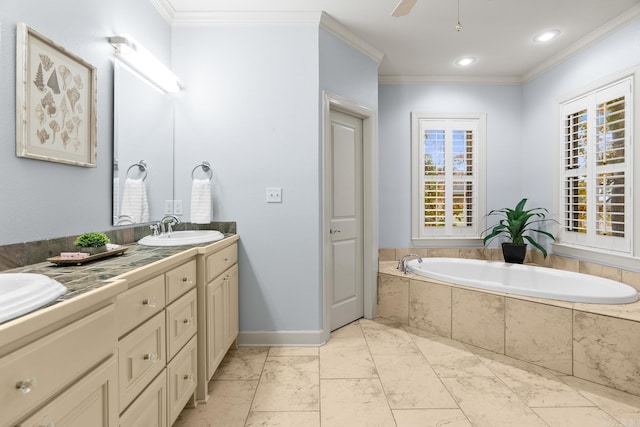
<point>55,102</point>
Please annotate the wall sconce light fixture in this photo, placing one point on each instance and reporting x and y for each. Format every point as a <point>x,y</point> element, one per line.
<point>141,60</point>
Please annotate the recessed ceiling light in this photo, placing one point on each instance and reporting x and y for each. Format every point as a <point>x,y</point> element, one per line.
<point>465,61</point>
<point>546,36</point>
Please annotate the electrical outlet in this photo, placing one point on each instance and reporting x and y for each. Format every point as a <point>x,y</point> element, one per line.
<point>168,207</point>
<point>274,195</point>
<point>177,207</point>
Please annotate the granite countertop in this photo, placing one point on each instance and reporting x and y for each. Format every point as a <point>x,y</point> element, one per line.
<point>85,277</point>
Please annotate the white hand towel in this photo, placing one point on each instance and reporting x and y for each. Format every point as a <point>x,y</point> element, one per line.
<point>134,201</point>
<point>201,201</point>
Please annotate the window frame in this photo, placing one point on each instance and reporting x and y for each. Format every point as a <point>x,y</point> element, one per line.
<point>456,239</point>
<point>580,248</point>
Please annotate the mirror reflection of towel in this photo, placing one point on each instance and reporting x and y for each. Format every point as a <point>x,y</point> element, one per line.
<point>201,201</point>
<point>134,201</point>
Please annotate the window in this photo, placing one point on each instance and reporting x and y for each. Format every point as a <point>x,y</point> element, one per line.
<point>596,165</point>
<point>448,178</point>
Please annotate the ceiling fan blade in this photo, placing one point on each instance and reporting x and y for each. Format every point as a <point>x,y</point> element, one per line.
<point>403,8</point>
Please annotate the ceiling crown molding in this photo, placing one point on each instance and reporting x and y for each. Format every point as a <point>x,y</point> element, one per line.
<point>322,19</point>
<point>454,80</point>
<point>615,24</point>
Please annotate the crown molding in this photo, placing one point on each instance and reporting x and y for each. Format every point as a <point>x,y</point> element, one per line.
<point>165,9</point>
<point>615,24</point>
<point>455,80</point>
<point>331,25</point>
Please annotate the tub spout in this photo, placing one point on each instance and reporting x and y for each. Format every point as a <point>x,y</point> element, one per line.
<point>402,264</point>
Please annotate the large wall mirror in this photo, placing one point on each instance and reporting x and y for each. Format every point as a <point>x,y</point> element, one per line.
<point>143,148</point>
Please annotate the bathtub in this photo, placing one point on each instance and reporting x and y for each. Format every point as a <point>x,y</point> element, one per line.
<point>526,280</point>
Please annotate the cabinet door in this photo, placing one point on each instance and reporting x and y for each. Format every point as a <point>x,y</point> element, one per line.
<point>231,281</point>
<point>93,401</point>
<point>181,323</point>
<point>181,380</point>
<point>150,408</point>
<point>216,324</point>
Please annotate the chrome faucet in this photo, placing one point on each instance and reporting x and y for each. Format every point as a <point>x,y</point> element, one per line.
<point>169,221</point>
<point>402,264</point>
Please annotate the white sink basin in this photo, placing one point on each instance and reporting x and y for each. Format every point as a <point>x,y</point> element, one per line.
<point>178,238</point>
<point>21,293</point>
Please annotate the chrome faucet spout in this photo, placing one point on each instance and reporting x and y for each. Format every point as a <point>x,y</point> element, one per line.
<point>170,221</point>
<point>402,263</point>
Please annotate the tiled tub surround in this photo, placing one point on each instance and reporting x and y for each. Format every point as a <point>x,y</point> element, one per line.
<point>598,343</point>
<point>23,254</point>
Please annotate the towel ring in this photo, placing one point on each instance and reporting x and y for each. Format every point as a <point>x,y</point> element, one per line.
<point>206,167</point>
<point>142,167</point>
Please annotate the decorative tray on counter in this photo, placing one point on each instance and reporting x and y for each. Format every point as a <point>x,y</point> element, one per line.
<point>69,261</point>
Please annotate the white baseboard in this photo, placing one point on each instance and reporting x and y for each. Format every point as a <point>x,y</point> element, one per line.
<point>282,338</point>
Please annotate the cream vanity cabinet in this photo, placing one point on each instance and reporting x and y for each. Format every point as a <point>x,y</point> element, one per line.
<point>157,353</point>
<point>58,366</point>
<point>218,309</point>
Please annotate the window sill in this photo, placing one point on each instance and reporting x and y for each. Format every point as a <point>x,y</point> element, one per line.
<point>610,259</point>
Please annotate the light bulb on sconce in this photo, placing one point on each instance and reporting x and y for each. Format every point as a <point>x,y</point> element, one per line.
<point>141,60</point>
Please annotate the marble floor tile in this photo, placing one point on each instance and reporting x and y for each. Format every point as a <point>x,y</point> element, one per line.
<point>348,331</point>
<point>624,407</point>
<point>488,402</point>
<point>387,338</point>
<point>293,351</point>
<point>228,405</point>
<point>450,358</point>
<point>244,363</point>
<point>354,403</point>
<point>346,358</point>
<point>288,383</point>
<point>576,417</point>
<point>535,385</point>
<point>284,419</point>
<point>430,418</point>
<point>409,382</point>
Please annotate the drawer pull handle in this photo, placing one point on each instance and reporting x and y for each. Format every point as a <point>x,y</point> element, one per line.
<point>188,377</point>
<point>187,321</point>
<point>25,386</point>
<point>149,302</point>
<point>187,280</point>
<point>152,357</point>
<point>226,260</point>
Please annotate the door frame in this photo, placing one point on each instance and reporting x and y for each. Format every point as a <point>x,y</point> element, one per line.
<point>369,119</point>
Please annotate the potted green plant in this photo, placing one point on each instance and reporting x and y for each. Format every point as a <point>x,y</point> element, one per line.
<point>518,225</point>
<point>93,243</point>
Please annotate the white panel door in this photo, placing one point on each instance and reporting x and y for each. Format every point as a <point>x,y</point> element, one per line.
<point>345,222</point>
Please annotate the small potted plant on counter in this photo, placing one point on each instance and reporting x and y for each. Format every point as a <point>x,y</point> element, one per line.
<point>92,243</point>
<point>518,225</point>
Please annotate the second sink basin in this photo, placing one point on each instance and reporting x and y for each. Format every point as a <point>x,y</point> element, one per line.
<point>21,293</point>
<point>178,238</point>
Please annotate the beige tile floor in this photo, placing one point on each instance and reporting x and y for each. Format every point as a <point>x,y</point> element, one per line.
<point>377,373</point>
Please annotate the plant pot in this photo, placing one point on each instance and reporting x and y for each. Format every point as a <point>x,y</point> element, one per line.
<point>514,253</point>
<point>93,249</point>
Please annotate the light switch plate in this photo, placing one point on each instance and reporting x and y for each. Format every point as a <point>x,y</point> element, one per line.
<point>274,195</point>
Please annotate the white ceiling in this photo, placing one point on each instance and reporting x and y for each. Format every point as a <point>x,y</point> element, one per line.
<point>424,45</point>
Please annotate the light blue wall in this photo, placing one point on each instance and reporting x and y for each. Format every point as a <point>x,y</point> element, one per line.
<point>250,107</point>
<point>613,54</point>
<point>41,199</point>
<point>503,107</point>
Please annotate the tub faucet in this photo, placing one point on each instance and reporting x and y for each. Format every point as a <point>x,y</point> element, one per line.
<point>402,264</point>
<point>169,221</point>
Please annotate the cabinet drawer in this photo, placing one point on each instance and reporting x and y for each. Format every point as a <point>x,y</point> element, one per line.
<point>149,409</point>
<point>181,377</point>
<point>220,261</point>
<point>141,356</point>
<point>90,402</point>
<point>181,323</point>
<point>180,280</point>
<point>140,303</point>
<point>49,364</point>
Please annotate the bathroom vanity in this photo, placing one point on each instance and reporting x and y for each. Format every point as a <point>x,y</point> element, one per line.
<point>131,349</point>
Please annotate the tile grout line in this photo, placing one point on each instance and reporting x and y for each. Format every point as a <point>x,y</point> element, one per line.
<point>246,418</point>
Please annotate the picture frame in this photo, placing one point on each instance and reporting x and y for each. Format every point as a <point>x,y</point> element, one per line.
<point>56,103</point>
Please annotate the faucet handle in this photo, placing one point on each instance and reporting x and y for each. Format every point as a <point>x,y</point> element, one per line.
<point>154,229</point>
